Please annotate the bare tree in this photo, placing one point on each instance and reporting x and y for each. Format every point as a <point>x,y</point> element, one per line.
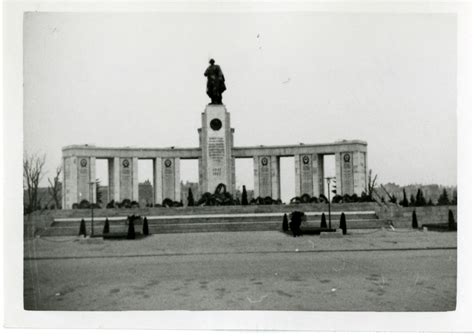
<point>32,174</point>
<point>54,188</point>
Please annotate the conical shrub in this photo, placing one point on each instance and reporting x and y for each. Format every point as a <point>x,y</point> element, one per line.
<point>323,222</point>
<point>342,224</point>
<point>414,220</point>
<point>106,226</point>
<point>131,228</point>
<point>451,221</point>
<point>82,228</point>
<point>146,232</point>
<point>285,223</point>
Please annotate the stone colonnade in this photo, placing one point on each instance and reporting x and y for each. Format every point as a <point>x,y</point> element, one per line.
<point>80,170</point>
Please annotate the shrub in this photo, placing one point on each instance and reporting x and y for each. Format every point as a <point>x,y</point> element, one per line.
<point>75,206</point>
<point>110,205</point>
<point>337,199</point>
<point>134,204</point>
<point>126,203</point>
<point>145,227</point>
<point>82,228</point>
<point>414,220</point>
<point>305,198</point>
<point>285,223</point>
<point>167,203</point>
<point>323,199</point>
<point>295,200</point>
<point>131,227</point>
<point>323,222</point>
<point>244,196</point>
<point>412,200</point>
<point>106,226</point>
<point>84,204</point>
<point>451,222</point>
<point>342,224</point>
<point>190,197</point>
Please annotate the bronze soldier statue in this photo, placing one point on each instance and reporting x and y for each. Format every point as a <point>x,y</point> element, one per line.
<point>215,82</point>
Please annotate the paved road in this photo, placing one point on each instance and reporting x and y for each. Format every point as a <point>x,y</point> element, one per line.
<point>314,281</point>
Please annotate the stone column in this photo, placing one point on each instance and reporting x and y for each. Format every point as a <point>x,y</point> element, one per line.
<point>345,169</point>
<point>337,157</point>
<point>126,177</point>
<point>256,179</point>
<point>70,169</point>
<point>93,179</point>
<point>83,179</point>
<point>265,176</point>
<point>297,176</point>
<point>168,178</point>
<point>157,180</point>
<point>318,177</point>
<point>135,179</point>
<point>306,174</point>
<point>177,180</point>
<point>275,166</point>
<point>360,172</point>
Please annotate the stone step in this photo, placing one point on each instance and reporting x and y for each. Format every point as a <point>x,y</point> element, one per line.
<point>209,227</point>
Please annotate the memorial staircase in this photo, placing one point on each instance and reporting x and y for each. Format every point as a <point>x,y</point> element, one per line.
<point>213,219</point>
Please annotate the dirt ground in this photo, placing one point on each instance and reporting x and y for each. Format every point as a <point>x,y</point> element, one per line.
<point>372,270</point>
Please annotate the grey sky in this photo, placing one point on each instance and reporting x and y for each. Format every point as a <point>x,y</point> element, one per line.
<point>136,79</point>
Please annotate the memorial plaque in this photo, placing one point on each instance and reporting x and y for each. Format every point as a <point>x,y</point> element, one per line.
<point>125,179</point>
<point>347,174</point>
<point>306,175</point>
<point>83,179</point>
<point>265,176</point>
<point>168,179</point>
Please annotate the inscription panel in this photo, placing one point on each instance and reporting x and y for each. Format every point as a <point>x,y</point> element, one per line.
<point>125,178</point>
<point>168,179</point>
<point>306,174</point>
<point>347,174</point>
<point>83,179</point>
<point>265,177</point>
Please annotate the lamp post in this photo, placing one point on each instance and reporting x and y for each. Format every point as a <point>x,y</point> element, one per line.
<point>328,179</point>
<point>92,206</point>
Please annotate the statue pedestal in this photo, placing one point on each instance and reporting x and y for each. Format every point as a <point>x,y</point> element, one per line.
<point>216,140</point>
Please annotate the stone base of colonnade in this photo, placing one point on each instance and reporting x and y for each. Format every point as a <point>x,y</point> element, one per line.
<point>208,219</point>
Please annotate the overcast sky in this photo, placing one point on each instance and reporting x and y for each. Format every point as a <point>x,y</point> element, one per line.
<point>136,79</point>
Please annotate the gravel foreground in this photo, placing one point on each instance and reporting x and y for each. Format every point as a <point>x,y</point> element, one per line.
<point>370,270</point>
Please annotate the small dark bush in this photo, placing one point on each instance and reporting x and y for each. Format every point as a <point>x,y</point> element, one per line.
<point>106,226</point>
<point>126,203</point>
<point>323,199</point>
<point>323,222</point>
<point>285,223</point>
<point>414,220</point>
<point>338,199</point>
<point>110,205</point>
<point>451,222</point>
<point>244,196</point>
<point>145,227</point>
<point>131,227</point>
<point>295,200</point>
<point>134,204</point>
<point>75,206</point>
<point>82,228</point>
<point>342,224</point>
<point>84,204</point>
<point>167,203</point>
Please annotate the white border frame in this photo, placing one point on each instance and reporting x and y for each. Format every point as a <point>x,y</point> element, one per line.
<point>15,316</point>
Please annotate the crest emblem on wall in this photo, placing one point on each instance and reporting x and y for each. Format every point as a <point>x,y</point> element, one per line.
<point>125,163</point>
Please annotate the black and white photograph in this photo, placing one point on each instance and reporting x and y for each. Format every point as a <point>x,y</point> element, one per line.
<point>245,158</point>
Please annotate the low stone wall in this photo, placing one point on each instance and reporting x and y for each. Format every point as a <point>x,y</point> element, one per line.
<point>202,210</point>
<point>401,216</point>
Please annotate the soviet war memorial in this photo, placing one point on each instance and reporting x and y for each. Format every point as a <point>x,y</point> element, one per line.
<point>240,170</point>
